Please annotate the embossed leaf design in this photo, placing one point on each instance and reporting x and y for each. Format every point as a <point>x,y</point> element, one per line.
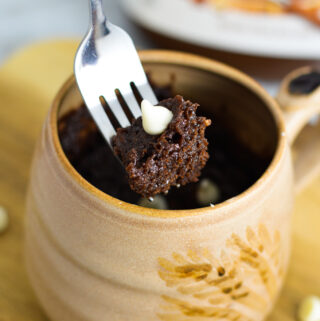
<point>236,284</point>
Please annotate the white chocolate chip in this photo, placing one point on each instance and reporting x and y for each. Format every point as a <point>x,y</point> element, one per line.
<point>207,192</point>
<point>4,219</point>
<point>159,202</point>
<point>155,119</point>
<point>309,309</point>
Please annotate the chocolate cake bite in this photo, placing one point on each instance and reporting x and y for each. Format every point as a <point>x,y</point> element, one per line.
<point>174,157</point>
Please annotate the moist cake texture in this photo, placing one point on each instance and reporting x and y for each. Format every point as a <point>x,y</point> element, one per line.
<point>154,163</point>
<point>233,167</point>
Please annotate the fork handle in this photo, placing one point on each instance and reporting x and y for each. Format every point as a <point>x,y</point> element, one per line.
<point>98,18</point>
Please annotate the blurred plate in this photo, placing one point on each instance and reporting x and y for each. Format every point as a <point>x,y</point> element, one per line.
<point>279,36</point>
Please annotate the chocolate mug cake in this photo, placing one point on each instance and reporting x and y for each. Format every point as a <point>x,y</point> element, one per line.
<point>93,254</point>
<point>231,168</point>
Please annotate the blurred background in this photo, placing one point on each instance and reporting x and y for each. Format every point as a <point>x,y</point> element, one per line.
<point>258,36</point>
<point>23,22</point>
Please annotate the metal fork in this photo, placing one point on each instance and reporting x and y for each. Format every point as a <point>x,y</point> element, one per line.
<point>107,63</point>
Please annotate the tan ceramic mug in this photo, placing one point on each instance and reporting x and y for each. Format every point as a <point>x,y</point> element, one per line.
<point>93,257</point>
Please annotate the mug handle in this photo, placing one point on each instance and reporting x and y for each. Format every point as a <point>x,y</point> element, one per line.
<point>301,114</point>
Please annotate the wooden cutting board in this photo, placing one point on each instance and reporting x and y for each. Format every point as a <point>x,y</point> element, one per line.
<point>28,83</point>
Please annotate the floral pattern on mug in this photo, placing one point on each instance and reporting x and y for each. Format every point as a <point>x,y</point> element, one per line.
<point>242,277</point>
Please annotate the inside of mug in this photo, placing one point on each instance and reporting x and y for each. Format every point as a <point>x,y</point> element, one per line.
<point>241,123</point>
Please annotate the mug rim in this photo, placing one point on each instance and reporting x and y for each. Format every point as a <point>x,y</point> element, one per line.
<point>186,60</point>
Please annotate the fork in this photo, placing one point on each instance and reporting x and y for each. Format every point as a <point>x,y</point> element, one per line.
<point>106,67</point>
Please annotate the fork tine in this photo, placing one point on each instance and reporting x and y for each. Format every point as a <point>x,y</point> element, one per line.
<point>117,110</point>
<point>132,103</point>
<point>147,93</point>
<point>101,119</point>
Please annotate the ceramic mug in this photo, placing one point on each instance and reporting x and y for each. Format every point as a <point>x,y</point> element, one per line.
<point>93,257</point>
